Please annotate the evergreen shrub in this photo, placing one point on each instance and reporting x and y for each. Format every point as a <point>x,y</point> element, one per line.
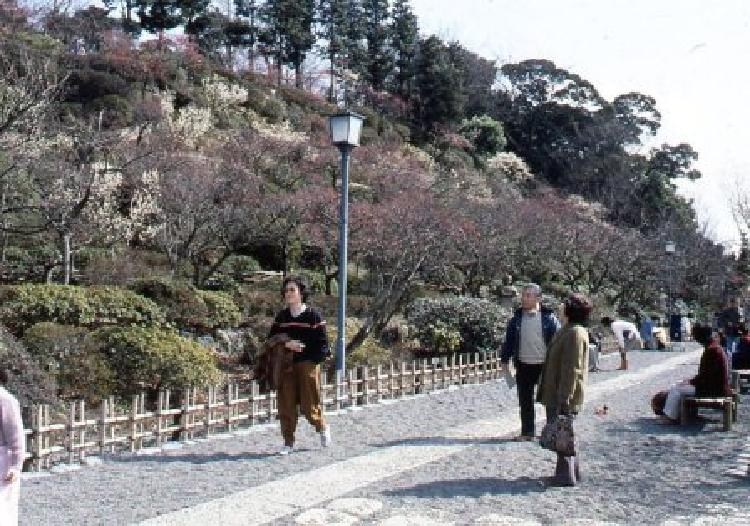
<point>479,324</point>
<point>22,306</point>
<point>153,358</point>
<point>188,307</point>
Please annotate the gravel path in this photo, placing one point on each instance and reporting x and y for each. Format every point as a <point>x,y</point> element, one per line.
<point>638,471</point>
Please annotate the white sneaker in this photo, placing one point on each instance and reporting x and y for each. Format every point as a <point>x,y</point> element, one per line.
<point>325,437</point>
<point>286,450</point>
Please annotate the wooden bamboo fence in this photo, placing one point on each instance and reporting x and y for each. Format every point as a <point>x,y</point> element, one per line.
<point>70,435</point>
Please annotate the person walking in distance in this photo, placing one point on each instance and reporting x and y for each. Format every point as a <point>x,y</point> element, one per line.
<point>306,329</point>
<point>527,336</point>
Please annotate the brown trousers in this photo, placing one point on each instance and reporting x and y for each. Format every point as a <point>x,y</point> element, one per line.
<point>302,388</point>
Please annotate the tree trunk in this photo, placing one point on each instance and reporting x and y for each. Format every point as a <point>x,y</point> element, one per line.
<point>285,256</point>
<point>379,316</point>
<point>298,77</point>
<point>67,260</point>
<point>4,226</point>
<point>331,89</point>
<point>330,276</point>
<point>196,273</point>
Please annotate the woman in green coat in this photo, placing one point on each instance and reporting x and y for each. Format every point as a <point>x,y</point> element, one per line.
<point>564,377</point>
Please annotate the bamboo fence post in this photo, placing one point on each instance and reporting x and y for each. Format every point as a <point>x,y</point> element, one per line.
<point>71,431</point>
<point>228,403</point>
<point>323,389</point>
<point>254,392</point>
<point>36,428</point>
<point>378,385</point>
<point>365,385</point>
<point>208,417</point>
<point>82,432</point>
<point>352,387</point>
<point>337,390</point>
<point>184,414</point>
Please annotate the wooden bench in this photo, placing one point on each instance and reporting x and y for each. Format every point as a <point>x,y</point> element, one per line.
<point>740,379</point>
<point>691,404</point>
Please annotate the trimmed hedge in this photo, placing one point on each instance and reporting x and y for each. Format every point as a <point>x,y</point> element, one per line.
<point>27,380</point>
<point>22,306</point>
<point>80,372</point>
<point>480,324</point>
<point>188,307</point>
<point>153,358</point>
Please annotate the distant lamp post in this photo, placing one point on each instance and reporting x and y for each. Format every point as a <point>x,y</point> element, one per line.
<point>345,129</point>
<point>674,331</point>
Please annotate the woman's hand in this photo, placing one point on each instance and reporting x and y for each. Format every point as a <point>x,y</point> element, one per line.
<point>12,476</point>
<point>295,345</point>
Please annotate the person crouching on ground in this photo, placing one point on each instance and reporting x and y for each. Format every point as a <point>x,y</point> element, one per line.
<point>12,452</point>
<point>711,380</point>
<point>564,377</point>
<point>527,335</point>
<point>627,336</point>
<point>306,329</point>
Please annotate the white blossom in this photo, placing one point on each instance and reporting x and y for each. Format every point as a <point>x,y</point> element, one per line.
<point>220,93</point>
<point>510,166</point>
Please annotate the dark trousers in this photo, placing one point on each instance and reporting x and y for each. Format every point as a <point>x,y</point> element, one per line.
<point>527,378</point>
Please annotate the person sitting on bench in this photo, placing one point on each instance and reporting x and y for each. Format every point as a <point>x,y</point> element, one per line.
<point>711,380</point>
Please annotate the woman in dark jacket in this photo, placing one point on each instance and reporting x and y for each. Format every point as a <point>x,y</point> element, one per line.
<point>306,330</point>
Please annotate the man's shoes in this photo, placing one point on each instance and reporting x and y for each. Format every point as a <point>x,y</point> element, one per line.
<point>286,450</point>
<point>325,437</point>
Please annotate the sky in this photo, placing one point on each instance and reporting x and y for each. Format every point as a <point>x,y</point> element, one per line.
<point>692,56</point>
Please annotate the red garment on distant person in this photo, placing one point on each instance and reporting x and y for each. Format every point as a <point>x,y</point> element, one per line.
<point>713,372</point>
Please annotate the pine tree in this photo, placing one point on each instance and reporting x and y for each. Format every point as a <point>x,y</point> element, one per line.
<point>378,37</point>
<point>356,52</point>
<point>244,32</point>
<point>333,28</point>
<point>160,15</point>
<point>288,33</point>
<point>299,34</point>
<point>438,90</point>
<point>405,32</point>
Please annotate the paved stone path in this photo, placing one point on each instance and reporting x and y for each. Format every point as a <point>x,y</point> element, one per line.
<point>437,459</point>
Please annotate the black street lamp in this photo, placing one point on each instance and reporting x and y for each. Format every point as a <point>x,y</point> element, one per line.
<point>345,129</point>
<point>674,325</point>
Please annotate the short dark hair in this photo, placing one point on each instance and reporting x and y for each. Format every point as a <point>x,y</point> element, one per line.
<point>578,308</point>
<point>606,321</point>
<point>702,334</point>
<point>301,285</point>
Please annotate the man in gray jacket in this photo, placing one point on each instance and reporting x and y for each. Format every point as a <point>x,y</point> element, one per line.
<point>527,336</point>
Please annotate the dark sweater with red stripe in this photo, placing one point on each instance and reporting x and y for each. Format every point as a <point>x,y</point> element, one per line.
<point>309,328</point>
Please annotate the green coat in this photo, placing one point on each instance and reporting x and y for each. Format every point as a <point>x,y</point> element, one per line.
<point>565,369</point>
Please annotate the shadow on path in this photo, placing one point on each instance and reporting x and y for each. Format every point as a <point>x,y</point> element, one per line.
<point>450,441</point>
<point>474,487</point>
<point>657,426</point>
<point>195,458</point>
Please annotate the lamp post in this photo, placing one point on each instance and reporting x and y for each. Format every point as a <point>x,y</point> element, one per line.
<point>345,128</point>
<point>674,333</point>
